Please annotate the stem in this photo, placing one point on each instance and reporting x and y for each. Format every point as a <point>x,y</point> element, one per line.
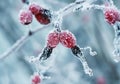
<point>87,70</point>
<point>69,7</point>
<point>116,42</point>
<point>15,47</point>
<point>20,42</point>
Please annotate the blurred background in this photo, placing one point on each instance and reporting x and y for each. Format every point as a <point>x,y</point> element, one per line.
<point>90,29</point>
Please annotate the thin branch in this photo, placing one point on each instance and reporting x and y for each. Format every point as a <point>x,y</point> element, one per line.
<point>20,42</point>
<point>69,7</point>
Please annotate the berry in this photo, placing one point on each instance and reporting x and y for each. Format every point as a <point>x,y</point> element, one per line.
<point>25,17</point>
<point>36,79</point>
<point>101,80</point>
<point>111,15</point>
<point>35,8</point>
<point>67,39</point>
<point>43,16</point>
<point>53,39</point>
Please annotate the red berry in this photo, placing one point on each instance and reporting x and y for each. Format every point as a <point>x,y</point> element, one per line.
<point>43,16</point>
<point>111,15</point>
<point>25,17</point>
<point>36,79</point>
<point>101,80</point>
<point>67,39</point>
<point>53,39</point>
<point>35,8</point>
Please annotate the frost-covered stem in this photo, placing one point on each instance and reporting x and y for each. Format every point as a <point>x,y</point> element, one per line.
<point>20,42</point>
<point>111,2</point>
<point>89,7</point>
<point>76,50</point>
<point>16,46</point>
<point>101,7</point>
<point>92,53</point>
<point>69,7</point>
<point>87,70</point>
<point>116,43</point>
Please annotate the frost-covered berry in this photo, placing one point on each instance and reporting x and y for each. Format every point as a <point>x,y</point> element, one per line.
<point>44,16</point>
<point>25,17</point>
<point>35,8</point>
<point>36,79</point>
<point>67,39</point>
<point>111,15</point>
<point>53,39</point>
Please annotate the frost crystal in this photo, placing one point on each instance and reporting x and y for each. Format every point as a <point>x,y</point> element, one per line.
<point>116,42</point>
<point>87,70</point>
<point>79,54</point>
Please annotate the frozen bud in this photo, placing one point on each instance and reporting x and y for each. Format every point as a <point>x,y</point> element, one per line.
<point>76,50</point>
<point>25,1</point>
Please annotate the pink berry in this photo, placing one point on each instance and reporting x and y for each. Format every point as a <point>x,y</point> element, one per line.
<point>35,8</point>
<point>53,39</point>
<point>111,15</point>
<point>67,39</point>
<point>25,17</point>
<point>36,79</point>
<point>101,80</point>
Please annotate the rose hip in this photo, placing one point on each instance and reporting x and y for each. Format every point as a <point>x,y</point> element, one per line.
<point>67,39</point>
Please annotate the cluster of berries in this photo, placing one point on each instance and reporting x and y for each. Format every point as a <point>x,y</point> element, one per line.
<point>42,15</point>
<point>66,38</point>
<point>111,15</point>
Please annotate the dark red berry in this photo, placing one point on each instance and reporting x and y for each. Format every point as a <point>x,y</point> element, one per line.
<point>35,8</point>
<point>25,17</point>
<point>43,17</point>
<point>67,39</point>
<point>53,39</point>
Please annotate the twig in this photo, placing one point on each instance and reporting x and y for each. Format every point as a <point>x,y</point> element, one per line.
<point>20,42</point>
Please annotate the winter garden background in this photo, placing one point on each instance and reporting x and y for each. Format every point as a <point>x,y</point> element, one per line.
<point>89,28</point>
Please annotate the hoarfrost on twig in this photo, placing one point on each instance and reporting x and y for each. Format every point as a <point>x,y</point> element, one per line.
<point>116,42</point>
